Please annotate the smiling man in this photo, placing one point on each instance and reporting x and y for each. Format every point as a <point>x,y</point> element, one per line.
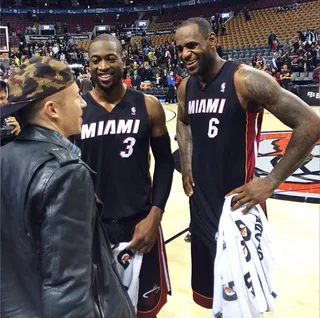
<point>218,128</point>
<point>119,126</point>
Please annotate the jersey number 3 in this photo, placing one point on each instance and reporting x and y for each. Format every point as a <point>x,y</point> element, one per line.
<point>213,129</point>
<point>130,142</point>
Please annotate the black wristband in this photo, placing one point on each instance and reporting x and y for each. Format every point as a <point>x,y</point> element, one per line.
<point>163,172</point>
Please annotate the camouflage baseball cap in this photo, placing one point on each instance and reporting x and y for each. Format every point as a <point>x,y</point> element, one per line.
<point>35,79</point>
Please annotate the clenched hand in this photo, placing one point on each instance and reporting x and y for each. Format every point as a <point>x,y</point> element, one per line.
<point>146,231</point>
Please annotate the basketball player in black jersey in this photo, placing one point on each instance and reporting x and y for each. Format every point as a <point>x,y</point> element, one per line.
<point>119,126</point>
<point>219,119</point>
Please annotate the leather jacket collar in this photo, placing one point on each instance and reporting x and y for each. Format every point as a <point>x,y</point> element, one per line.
<point>38,133</point>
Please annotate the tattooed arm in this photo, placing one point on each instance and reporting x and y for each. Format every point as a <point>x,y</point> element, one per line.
<point>258,89</point>
<point>184,141</point>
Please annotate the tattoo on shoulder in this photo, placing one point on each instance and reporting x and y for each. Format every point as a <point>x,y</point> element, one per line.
<point>260,89</point>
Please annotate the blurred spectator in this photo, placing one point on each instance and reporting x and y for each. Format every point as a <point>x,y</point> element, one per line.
<point>213,20</point>
<point>285,77</point>
<point>171,92</point>
<point>246,14</point>
<point>260,60</point>
<point>127,80</point>
<point>85,85</point>
<point>34,30</point>
<point>229,58</point>
<point>157,80</point>
<point>9,127</point>
<point>3,93</point>
<point>271,39</point>
<point>178,80</point>
<point>316,75</point>
<point>136,80</point>
<point>171,80</point>
<point>148,72</point>
<point>275,45</point>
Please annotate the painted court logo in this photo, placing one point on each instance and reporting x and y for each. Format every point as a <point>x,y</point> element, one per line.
<point>304,184</point>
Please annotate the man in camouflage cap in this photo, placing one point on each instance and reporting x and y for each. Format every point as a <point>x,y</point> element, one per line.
<point>55,260</point>
<point>36,79</point>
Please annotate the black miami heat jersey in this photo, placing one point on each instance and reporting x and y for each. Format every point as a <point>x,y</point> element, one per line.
<point>225,139</point>
<point>115,145</point>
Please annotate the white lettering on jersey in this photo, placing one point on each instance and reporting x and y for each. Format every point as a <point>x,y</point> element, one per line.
<point>88,131</point>
<point>221,107</point>
<point>136,126</point>
<point>212,105</point>
<point>197,105</point>
<point>191,107</point>
<point>110,127</point>
<point>124,126</point>
<point>202,106</point>
<point>100,128</point>
<point>206,106</point>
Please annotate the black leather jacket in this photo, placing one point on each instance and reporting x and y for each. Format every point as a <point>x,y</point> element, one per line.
<point>55,258</point>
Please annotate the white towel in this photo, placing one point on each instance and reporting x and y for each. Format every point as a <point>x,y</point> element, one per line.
<point>243,264</point>
<point>128,264</point>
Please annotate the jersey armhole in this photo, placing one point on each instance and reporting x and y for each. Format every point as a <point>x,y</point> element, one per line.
<point>234,85</point>
<point>146,108</point>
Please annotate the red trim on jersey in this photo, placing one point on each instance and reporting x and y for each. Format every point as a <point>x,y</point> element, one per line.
<point>203,301</point>
<point>259,124</point>
<point>251,145</point>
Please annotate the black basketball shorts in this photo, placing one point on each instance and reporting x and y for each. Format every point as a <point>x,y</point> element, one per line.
<point>154,283</point>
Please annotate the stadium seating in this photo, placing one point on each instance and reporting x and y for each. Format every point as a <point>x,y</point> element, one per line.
<point>254,33</point>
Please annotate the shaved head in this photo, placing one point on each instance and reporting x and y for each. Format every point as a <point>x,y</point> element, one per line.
<point>107,38</point>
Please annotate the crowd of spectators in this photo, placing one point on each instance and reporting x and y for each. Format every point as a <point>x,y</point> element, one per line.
<point>65,50</point>
<point>160,65</point>
<point>301,55</point>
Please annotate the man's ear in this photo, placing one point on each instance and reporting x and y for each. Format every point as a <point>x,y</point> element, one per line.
<point>213,40</point>
<point>51,109</point>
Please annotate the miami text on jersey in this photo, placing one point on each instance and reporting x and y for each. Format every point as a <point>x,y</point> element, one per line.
<point>206,106</point>
<point>110,127</point>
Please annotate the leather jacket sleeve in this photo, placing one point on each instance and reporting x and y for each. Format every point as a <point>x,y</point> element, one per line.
<point>66,241</point>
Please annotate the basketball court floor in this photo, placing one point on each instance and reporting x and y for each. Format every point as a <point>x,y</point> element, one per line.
<point>296,226</point>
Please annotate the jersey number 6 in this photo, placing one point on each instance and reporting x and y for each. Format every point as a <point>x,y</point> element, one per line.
<point>213,130</point>
<point>130,142</point>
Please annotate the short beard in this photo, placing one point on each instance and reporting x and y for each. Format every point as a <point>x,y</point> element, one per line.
<point>206,65</point>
